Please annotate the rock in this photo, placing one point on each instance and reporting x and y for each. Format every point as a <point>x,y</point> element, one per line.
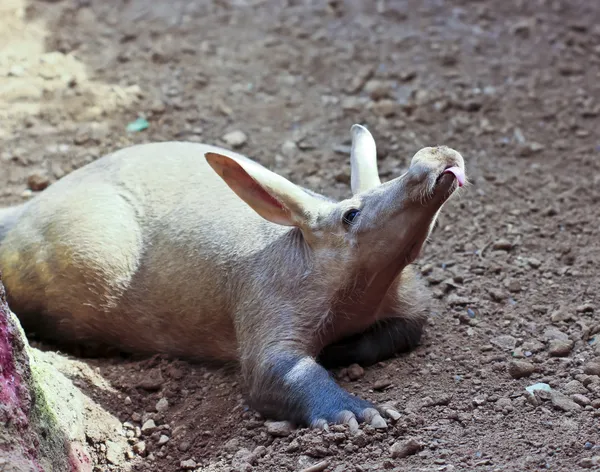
<point>554,333</point>
<point>289,149</point>
<point>589,462</point>
<point>188,464</point>
<point>140,448</point>
<point>502,245</point>
<point>529,149</point>
<point>520,369</point>
<point>385,108</point>
<point>279,428</point>
<point>318,467</point>
<point>513,286</point>
<point>581,399</point>
<point>562,402</point>
<point>534,263</point>
<point>162,405</point>
<point>164,439</point>
<point>114,452</point>
<point>184,446</point>
<point>235,139</point>
<point>585,308</point>
<point>241,458</point>
<point>496,294</point>
<point>378,89</point>
<point>399,450</point>
<point>560,348</point>
<point>38,182</point>
<point>592,368</point>
<point>46,422</point>
<point>574,386</point>
<point>504,405</point>
<point>562,314</point>
<point>505,342</point>
<point>148,427</point>
<point>382,384</point>
<point>355,372</point>
<point>363,74</point>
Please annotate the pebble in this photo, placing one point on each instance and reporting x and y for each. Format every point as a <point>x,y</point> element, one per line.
<point>148,427</point>
<point>140,448</point>
<point>496,294</point>
<point>562,402</point>
<point>184,446</point>
<point>562,314</point>
<point>574,386</point>
<point>592,368</point>
<point>279,428</point>
<point>289,149</point>
<point>188,464</point>
<point>520,369</point>
<point>355,372</point>
<point>38,182</point>
<point>235,139</point>
<point>589,462</point>
<point>502,245</point>
<point>164,439</point>
<point>560,348</point>
<point>504,342</point>
<point>381,384</point>
<point>399,450</point>
<point>162,405</point>
<point>113,453</point>
<point>318,467</point>
<point>580,399</point>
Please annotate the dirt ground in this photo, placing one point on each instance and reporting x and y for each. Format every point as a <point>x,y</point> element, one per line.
<point>513,85</point>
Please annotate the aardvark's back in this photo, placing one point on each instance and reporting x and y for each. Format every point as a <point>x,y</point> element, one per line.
<point>128,249</point>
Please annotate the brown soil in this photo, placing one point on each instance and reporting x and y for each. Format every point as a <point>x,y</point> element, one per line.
<point>511,84</point>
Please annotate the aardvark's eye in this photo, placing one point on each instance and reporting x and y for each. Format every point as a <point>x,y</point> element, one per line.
<point>350,216</point>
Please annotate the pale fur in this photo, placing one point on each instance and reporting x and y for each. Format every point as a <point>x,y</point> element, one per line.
<point>149,250</point>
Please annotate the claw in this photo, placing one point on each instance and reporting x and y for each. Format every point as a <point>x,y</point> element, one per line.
<point>393,414</point>
<point>347,417</point>
<point>320,424</point>
<point>378,422</point>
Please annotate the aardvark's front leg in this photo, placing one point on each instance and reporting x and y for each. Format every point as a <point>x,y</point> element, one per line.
<point>288,385</point>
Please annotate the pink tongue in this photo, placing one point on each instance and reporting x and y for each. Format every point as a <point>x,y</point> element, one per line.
<point>458,173</point>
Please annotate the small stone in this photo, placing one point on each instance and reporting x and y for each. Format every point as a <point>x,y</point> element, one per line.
<point>589,462</point>
<point>128,401</point>
<point>184,446</point>
<point>513,286</point>
<point>162,405</point>
<point>534,263</point>
<point>592,368</point>
<point>140,448</point>
<point>520,369</point>
<point>355,372</point>
<point>574,386</point>
<point>148,427</point>
<point>529,149</point>
<point>596,403</point>
<point>385,108</point>
<point>188,464</point>
<point>580,399</point>
<point>504,405</point>
<point>585,308</point>
<point>381,384</point>
<point>399,450</point>
<point>562,314</point>
<point>502,245</point>
<point>555,333</point>
<point>279,428</point>
<point>496,294</point>
<point>235,139</point>
<point>289,149</point>
<point>164,439</point>
<point>562,402</point>
<point>560,348</point>
<point>38,182</point>
<point>114,453</point>
<point>505,342</point>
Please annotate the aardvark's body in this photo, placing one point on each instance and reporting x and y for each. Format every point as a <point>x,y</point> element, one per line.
<point>198,252</point>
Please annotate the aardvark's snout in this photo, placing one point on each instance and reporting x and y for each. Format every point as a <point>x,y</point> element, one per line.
<point>440,169</point>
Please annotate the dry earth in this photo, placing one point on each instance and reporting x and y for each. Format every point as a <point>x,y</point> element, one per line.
<point>513,85</point>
